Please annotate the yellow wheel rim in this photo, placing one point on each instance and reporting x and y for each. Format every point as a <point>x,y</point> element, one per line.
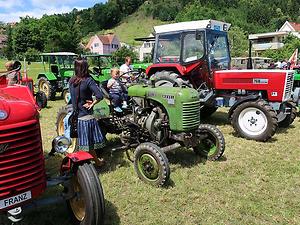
<point>61,131</point>
<point>44,88</point>
<point>77,202</point>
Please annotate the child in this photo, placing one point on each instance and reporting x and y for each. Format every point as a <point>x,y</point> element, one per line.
<point>117,91</point>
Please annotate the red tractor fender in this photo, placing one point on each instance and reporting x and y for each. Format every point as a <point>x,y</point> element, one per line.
<point>240,101</point>
<point>175,67</point>
<point>75,158</point>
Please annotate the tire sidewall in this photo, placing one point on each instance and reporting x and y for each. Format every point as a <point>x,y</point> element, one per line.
<point>235,121</point>
<point>160,158</point>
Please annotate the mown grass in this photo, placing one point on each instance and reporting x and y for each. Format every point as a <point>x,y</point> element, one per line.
<point>254,183</point>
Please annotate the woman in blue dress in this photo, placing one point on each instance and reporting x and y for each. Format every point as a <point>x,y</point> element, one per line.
<point>82,89</point>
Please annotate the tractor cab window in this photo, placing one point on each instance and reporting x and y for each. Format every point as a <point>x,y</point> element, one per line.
<point>193,48</point>
<point>168,48</point>
<point>218,51</point>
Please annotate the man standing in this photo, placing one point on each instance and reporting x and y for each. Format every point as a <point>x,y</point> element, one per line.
<point>125,69</point>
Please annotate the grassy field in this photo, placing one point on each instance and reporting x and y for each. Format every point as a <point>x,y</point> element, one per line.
<point>254,183</point>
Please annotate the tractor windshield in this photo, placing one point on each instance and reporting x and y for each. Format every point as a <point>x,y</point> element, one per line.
<point>168,48</point>
<point>179,47</point>
<point>218,50</point>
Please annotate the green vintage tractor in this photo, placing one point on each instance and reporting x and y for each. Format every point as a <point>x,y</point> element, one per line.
<point>159,120</point>
<point>58,69</point>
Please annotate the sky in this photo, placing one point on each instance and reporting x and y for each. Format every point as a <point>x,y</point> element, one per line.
<point>12,10</point>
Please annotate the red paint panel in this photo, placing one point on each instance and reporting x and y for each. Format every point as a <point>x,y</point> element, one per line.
<point>244,79</point>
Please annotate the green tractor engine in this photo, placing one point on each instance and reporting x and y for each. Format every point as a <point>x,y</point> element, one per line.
<point>181,105</point>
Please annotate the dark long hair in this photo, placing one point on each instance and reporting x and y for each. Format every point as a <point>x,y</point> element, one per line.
<point>81,71</point>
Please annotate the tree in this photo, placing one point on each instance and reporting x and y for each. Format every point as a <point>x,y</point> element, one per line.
<point>8,49</point>
<point>122,52</point>
<point>238,42</point>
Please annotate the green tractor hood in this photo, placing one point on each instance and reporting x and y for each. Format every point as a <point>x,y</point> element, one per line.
<point>181,104</point>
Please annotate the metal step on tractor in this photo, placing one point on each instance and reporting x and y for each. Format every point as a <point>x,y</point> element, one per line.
<point>23,175</point>
<point>196,54</point>
<point>158,120</point>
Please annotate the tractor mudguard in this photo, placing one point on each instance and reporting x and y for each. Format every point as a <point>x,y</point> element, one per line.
<point>240,101</point>
<point>74,158</point>
<point>50,76</point>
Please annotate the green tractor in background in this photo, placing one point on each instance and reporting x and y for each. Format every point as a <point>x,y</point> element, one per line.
<point>58,69</point>
<point>159,120</point>
<point>296,86</point>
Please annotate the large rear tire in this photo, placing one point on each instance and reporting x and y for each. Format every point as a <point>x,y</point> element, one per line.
<point>60,130</point>
<point>151,164</point>
<point>44,85</point>
<point>213,145</point>
<point>168,79</point>
<point>87,204</point>
<point>255,120</point>
<point>289,119</point>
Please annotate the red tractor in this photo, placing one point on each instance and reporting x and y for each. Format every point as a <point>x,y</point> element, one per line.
<point>23,176</point>
<point>196,54</point>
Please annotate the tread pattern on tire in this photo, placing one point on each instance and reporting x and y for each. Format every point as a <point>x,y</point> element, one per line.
<point>91,185</point>
<point>262,104</point>
<point>220,140</point>
<point>171,77</point>
<point>163,162</point>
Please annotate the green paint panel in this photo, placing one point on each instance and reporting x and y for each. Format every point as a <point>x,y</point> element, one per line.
<point>48,75</point>
<point>181,104</point>
<point>101,110</point>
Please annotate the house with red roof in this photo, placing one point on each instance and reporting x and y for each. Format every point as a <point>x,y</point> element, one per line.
<point>273,40</point>
<point>103,44</point>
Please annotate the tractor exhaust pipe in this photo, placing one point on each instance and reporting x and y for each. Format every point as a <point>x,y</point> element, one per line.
<point>249,62</point>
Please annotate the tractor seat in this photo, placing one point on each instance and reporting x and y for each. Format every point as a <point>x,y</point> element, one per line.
<point>54,69</point>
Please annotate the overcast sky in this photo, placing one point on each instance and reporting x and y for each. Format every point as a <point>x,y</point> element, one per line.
<point>12,10</point>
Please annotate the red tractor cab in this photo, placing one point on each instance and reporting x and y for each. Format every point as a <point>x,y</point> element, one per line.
<point>196,54</point>
<point>23,176</point>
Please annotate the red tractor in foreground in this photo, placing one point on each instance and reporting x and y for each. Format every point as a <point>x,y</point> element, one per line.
<point>23,176</point>
<point>196,54</point>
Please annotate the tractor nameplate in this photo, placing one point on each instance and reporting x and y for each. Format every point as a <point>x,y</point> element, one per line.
<point>170,99</point>
<point>151,94</point>
<point>260,81</point>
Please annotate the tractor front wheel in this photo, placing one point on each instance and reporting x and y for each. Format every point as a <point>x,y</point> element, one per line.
<point>255,120</point>
<point>41,99</point>
<point>151,164</point>
<point>213,145</point>
<point>66,95</point>
<point>45,86</point>
<point>60,125</point>
<point>87,203</point>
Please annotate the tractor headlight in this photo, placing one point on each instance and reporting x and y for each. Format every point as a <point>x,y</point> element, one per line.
<point>3,114</point>
<point>61,144</point>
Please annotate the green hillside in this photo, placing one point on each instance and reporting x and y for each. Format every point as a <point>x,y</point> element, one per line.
<point>136,25</point>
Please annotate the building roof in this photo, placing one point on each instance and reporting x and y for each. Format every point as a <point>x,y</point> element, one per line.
<point>266,35</point>
<point>106,39</point>
<point>192,25</point>
<point>3,38</point>
<point>296,26</point>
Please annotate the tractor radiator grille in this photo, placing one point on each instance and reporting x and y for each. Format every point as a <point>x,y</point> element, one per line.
<point>191,115</point>
<point>288,86</point>
<point>21,159</point>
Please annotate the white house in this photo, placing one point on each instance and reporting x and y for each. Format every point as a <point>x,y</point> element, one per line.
<point>103,44</point>
<point>146,48</point>
<point>273,40</point>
